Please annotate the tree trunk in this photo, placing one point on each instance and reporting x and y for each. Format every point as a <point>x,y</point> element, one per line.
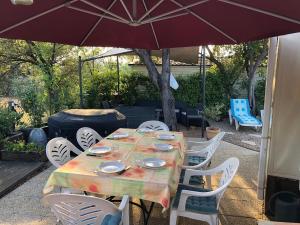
<point>251,92</point>
<point>162,82</point>
<point>167,98</point>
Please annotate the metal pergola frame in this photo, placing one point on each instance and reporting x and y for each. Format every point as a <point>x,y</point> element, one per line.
<point>80,64</point>
<point>202,70</point>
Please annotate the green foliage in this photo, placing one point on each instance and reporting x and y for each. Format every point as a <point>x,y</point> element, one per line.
<point>215,112</point>
<point>31,100</point>
<point>260,93</point>
<point>8,120</point>
<point>21,146</point>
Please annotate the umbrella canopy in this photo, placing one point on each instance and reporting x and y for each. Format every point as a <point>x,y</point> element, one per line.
<point>149,24</point>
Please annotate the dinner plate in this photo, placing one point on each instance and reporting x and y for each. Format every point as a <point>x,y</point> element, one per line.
<point>119,135</point>
<point>100,149</point>
<point>163,147</point>
<point>145,130</point>
<point>153,162</point>
<point>111,167</point>
<point>166,136</point>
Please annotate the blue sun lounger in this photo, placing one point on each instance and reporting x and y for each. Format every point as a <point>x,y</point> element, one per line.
<point>241,114</point>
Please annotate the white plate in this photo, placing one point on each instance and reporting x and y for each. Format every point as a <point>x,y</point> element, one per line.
<point>153,162</point>
<point>111,167</point>
<point>145,130</point>
<point>100,149</point>
<point>166,136</point>
<point>120,135</point>
<point>163,147</point>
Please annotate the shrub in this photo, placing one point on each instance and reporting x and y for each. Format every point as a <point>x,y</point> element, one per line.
<point>214,112</point>
<point>31,101</point>
<point>260,93</point>
<point>21,146</point>
<point>8,120</point>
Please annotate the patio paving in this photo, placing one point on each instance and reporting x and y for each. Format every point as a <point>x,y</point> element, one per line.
<point>239,205</point>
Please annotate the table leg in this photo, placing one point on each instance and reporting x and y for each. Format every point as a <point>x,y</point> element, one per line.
<point>146,212</point>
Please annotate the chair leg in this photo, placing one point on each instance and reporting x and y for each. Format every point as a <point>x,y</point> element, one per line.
<point>214,220</point>
<point>208,181</point>
<point>173,217</point>
<point>230,117</point>
<point>237,126</point>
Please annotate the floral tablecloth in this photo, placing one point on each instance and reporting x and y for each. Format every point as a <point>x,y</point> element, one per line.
<point>156,185</point>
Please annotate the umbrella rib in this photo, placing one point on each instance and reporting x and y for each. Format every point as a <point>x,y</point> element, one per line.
<point>261,11</point>
<point>165,18</point>
<point>207,22</point>
<point>96,24</point>
<point>152,28</point>
<point>125,7</point>
<point>149,11</point>
<point>97,14</point>
<point>104,10</point>
<point>174,11</point>
<point>37,16</point>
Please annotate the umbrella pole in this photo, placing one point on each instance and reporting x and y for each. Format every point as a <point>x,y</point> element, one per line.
<point>118,72</point>
<point>80,81</point>
<point>203,87</point>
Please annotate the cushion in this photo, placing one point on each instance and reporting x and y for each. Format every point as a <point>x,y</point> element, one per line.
<point>206,205</point>
<point>240,110</point>
<point>195,160</point>
<point>194,180</point>
<point>247,120</point>
<point>112,219</point>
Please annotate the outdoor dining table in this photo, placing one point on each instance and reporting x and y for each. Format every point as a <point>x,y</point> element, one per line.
<point>156,185</point>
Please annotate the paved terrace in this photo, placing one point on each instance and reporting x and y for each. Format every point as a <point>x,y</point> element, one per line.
<point>238,206</point>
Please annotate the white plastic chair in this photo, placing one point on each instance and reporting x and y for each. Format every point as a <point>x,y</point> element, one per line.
<point>200,159</point>
<point>83,210</point>
<point>202,144</point>
<point>202,204</point>
<point>58,151</point>
<point>87,137</point>
<point>154,125</point>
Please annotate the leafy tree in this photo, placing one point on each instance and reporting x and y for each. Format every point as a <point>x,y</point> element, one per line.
<point>234,60</point>
<point>57,65</point>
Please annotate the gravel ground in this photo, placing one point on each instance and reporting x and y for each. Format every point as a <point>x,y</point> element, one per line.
<point>246,137</point>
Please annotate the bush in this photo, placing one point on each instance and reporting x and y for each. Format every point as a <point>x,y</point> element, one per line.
<point>260,93</point>
<point>215,112</point>
<point>21,146</point>
<point>31,101</point>
<point>8,120</point>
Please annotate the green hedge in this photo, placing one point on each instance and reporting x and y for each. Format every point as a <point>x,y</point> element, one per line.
<point>135,86</point>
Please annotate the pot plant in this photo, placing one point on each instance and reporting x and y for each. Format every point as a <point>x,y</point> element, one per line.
<point>214,113</point>
<point>21,151</point>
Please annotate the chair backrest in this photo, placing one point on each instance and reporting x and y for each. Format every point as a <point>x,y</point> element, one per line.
<point>58,151</point>
<point>79,209</point>
<point>86,137</point>
<point>217,138</point>
<point>210,149</point>
<point>240,107</point>
<point>228,170</point>
<point>155,125</point>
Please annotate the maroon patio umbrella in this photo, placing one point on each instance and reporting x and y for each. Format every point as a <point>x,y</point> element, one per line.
<point>150,24</point>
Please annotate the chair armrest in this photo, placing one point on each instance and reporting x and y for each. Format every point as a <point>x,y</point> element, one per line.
<point>196,167</point>
<point>210,172</point>
<point>124,202</point>
<point>199,152</point>
<point>76,151</point>
<point>198,142</point>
